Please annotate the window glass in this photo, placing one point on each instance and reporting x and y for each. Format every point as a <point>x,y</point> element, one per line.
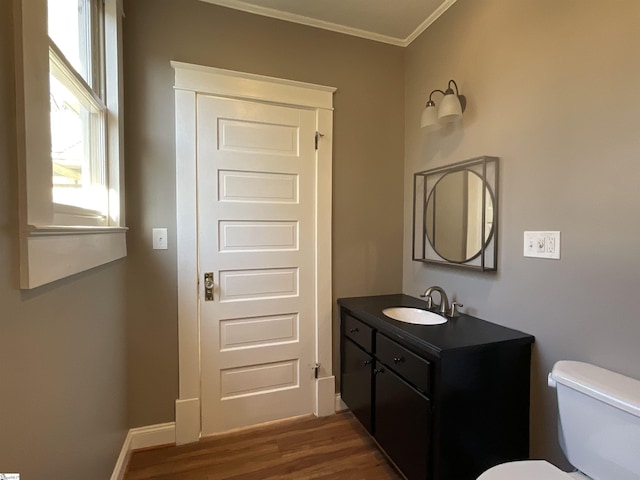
<point>77,151</point>
<point>70,29</point>
<point>78,114</point>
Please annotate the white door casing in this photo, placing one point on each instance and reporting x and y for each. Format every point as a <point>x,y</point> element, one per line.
<point>244,354</point>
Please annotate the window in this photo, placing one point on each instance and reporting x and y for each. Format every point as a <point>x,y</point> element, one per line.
<point>78,111</point>
<point>70,153</point>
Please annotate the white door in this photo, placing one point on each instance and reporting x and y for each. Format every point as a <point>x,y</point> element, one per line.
<point>256,171</point>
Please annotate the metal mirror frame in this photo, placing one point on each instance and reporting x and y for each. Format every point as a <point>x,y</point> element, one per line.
<point>424,182</point>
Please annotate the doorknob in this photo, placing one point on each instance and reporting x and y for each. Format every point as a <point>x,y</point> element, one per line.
<point>208,287</point>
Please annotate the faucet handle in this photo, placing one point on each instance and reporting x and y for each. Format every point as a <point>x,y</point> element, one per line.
<point>429,301</point>
<point>454,309</point>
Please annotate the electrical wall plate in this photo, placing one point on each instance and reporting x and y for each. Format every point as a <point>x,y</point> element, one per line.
<point>160,239</point>
<point>542,244</point>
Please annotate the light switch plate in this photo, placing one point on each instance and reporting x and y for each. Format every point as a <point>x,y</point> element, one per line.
<point>160,239</point>
<point>542,244</point>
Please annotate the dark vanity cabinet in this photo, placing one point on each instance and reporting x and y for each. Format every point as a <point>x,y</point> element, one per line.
<point>357,372</point>
<point>444,402</point>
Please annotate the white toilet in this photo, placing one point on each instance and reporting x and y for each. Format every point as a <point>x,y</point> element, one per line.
<point>599,427</point>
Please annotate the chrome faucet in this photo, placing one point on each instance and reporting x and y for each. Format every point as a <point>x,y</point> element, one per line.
<point>443,307</point>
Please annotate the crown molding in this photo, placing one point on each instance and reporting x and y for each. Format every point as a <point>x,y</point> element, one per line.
<point>334,27</point>
<point>444,6</point>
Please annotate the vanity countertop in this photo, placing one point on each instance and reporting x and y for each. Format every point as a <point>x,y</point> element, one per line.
<point>460,332</point>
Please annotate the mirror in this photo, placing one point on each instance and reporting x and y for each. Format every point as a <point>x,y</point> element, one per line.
<point>455,214</point>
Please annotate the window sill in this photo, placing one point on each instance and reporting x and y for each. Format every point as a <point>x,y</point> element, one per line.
<point>54,252</point>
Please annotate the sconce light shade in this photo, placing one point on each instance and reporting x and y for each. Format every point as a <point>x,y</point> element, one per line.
<point>429,118</point>
<point>450,109</point>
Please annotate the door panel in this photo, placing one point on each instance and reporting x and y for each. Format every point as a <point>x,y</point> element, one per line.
<point>258,331</point>
<point>253,379</point>
<point>254,187</point>
<point>258,236</point>
<point>256,233</point>
<point>261,138</point>
<point>238,285</point>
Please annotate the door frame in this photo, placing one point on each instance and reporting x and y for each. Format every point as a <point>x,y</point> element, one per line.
<point>191,80</point>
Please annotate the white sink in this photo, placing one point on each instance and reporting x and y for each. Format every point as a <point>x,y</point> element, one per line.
<point>416,316</point>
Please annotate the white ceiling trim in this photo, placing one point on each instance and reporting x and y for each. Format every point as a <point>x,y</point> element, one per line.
<point>334,27</point>
<point>428,21</point>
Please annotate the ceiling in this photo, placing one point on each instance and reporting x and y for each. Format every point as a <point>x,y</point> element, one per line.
<point>397,22</point>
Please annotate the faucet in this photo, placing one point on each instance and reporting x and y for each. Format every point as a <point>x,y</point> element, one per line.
<point>444,301</point>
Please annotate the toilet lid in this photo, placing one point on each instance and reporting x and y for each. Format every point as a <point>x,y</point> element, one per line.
<point>525,470</point>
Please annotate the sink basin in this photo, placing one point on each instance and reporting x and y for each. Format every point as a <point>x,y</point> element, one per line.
<point>416,316</point>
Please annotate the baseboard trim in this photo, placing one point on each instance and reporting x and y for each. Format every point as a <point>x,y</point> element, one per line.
<point>123,459</point>
<point>340,405</point>
<point>143,437</point>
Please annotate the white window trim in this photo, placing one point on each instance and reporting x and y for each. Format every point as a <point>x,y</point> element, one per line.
<point>49,252</point>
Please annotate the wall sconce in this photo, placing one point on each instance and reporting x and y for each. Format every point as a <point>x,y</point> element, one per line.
<point>451,107</point>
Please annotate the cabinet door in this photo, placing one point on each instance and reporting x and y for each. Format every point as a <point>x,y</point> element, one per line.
<point>401,418</point>
<point>355,383</point>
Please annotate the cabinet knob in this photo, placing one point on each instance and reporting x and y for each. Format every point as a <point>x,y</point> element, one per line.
<point>398,360</point>
<point>366,362</point>
<point>354,330</point>
<point>378,370</point>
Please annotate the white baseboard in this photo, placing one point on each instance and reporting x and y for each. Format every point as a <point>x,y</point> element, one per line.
<point>340,405</point>
<point>143,437</point>
<point>123,459</point>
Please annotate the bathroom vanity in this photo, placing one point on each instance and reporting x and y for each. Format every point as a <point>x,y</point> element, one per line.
<point>444,402</point>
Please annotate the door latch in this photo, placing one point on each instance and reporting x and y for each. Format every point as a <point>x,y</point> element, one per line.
<point>208,287</point>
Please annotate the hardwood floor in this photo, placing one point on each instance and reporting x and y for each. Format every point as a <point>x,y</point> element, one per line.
<point>335,447</point>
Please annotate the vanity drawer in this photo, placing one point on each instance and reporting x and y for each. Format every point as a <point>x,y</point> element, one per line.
<point>407,364</point>
<point>358,332</point>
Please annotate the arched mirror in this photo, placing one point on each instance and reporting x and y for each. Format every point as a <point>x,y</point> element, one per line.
<point>455,214</point>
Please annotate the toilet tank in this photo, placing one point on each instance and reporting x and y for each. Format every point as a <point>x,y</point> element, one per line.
<point>599,420</point>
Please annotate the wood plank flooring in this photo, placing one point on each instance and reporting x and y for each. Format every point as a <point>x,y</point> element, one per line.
<point>335,447</point>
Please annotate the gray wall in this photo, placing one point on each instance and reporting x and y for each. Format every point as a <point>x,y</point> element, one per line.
<point>62,346</point>
<point>367,162</point>
<point>553,88</point>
